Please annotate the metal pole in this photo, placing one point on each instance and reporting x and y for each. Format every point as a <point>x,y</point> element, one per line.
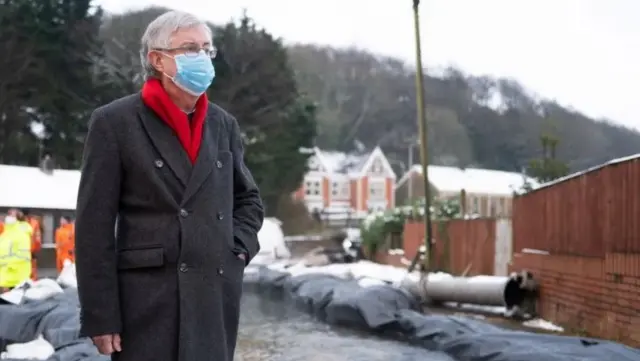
<point>422,128</point>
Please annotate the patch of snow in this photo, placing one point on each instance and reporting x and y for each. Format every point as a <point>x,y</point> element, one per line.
<point>271,240</point>
<point>543,325</point>
<point>38,349</point>
<point>67,277</point>
<point>398,252</point>
<point>42,289</point>
<point>363,271</point>
<point>370,282</point>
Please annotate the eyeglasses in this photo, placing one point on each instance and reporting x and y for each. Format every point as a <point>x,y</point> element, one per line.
<point>192,50</point>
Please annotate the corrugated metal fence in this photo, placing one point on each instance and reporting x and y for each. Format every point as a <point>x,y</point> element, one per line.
<point>586,215</point>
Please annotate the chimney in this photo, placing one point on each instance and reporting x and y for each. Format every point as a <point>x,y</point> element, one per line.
<point>47,164</point>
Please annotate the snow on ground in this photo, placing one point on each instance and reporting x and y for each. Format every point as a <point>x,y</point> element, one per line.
<point>38,349</point>
<point>542,325</point>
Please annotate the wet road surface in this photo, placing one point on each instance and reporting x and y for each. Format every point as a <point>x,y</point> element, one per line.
<point>272,330</point>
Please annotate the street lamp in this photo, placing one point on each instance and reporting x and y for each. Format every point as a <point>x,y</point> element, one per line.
<point>422,128</point>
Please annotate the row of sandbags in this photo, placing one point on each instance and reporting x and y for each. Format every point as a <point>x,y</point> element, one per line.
<point>40,321</point>
<point>391,311</point>
<point>46,329</point>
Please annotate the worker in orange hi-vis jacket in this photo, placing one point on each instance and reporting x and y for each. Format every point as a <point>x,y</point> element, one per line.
<point>36,244</point>
<point>65,242</point>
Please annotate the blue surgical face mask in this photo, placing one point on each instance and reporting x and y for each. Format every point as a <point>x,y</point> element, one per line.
<point>194,73</point>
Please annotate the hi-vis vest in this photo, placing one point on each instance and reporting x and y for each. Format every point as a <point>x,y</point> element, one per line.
<point>15,254</point>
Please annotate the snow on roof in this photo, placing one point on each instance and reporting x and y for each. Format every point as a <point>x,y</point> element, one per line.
<point>472,180</point>
<point>352,164</point>
<point>29,187</point>
<point>338,162</point>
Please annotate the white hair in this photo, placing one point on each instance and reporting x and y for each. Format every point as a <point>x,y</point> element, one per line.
<point>159,33</point>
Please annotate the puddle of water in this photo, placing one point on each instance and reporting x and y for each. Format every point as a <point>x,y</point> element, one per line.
<point>272,330</point>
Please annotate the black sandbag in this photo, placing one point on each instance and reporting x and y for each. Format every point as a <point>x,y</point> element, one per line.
<point>56,319</point>
<point>520,345</point>
<point>251,276</point>
<point>271,278</point>
<point>62,337</point>
<point>313,291</point>
<point>372,308</point>
<point>387,309</point>
<point>20,324</point>
<point>64,315</point>
<point>83,350</point>
<point>431,331</point>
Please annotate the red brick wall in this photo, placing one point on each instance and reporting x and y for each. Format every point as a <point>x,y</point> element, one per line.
<point>590,295</point>
<point>471,244</point>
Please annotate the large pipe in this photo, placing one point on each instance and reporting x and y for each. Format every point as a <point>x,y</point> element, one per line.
<point>516,292</point>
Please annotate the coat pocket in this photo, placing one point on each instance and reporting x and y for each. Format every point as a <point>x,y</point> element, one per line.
<point>140,258</point>
<point>234,266</point>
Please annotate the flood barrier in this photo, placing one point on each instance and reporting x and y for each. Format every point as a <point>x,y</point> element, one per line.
<point>394,312</point>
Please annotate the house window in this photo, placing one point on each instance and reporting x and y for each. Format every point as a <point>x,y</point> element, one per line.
<point>312,188</point>
<point>340,189</point>
<point>376,167</point>
<point>377,190</point>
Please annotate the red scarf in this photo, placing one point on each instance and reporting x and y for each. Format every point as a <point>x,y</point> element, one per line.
<point>189,132</point>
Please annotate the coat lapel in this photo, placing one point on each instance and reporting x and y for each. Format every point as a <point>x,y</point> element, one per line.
<point>206,156</point>
<point>166,143</point>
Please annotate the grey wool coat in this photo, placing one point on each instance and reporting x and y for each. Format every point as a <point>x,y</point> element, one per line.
<point>168,277</point>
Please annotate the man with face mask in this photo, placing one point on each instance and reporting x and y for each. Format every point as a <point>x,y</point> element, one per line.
<point>167,166</point>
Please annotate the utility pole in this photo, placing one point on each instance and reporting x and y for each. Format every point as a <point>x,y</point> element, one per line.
<point>410,182</point>
<point>422,128</point>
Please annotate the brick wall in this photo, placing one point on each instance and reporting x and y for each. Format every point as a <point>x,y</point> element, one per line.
<point>588,295</point>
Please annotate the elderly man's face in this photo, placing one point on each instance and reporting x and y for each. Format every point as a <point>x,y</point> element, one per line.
<point>182,41</point>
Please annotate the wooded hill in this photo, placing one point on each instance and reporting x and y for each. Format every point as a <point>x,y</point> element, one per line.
<point>473,121</point>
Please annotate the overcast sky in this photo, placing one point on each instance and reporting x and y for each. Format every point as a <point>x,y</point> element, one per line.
<point>579,52</point>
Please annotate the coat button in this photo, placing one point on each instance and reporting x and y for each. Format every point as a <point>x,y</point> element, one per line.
<point>220,271</point>
<point>220,216</point>
<point>184,213</point>
<point>159,163</point>
<point>218,164</point>
<point>183,267</point>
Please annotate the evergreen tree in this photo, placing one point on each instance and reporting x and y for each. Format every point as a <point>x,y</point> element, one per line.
<point>54,80</point>
<point>548,167</point>
<point>255,83</point>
